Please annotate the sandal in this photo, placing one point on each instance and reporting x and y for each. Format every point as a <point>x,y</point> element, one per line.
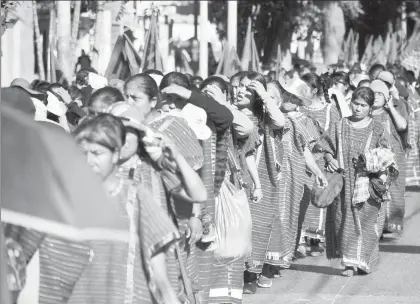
<point>348,272</point>
<point>264,282</point>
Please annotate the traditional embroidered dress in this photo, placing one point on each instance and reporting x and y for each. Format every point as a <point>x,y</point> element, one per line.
<point>120,272</point>
<point>177,129</point>
<point>284,234</point>
<point>267,149</point>
<point>395,207</point>
<point>227,279</point>
<point>357,241</point>
<point>413,156</point>
<point>314,218</point>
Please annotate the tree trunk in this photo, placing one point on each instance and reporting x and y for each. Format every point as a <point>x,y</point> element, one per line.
<point>334,30</point>
<point>99,25</point>
<point>64,37</point>
<point>75,29</point>
<point>38,41</point>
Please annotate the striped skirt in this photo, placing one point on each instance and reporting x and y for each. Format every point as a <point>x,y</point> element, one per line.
<point>227,281</point>
<point>413,157</point>
<point>362,251</point>
<point>285,235</point>
<point>263,216</point>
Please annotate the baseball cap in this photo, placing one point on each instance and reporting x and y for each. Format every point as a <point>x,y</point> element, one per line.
<point>197,120</point>
<point>381,87</point>
<point>24,84</point>
<point>130,115</point>
<point>55,106</point>
<point>386,77</point>
<point>298,88</point>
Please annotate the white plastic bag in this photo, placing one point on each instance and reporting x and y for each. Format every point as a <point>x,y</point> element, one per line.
<point>233,223</point>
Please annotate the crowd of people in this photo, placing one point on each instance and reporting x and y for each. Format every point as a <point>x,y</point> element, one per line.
<point>224,182</point>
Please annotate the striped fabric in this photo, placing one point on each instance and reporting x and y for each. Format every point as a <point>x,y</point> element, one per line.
<point>263,213</point>
<point>360,251</point>
<point>30,240</point>
<point>284,235</point>
<point>413,157</point>
<point>394,208</point>
<point>314,218</point>
<point>118,272</point>
<point>227,281</point>
<point>207,174</point>
<point>178,130</point>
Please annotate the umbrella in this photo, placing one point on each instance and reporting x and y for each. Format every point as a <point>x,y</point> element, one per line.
<point>47,185</point>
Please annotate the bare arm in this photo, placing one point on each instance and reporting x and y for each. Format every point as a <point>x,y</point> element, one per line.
<point>253,170</point>
<point>158,265</point>
<point>277,117</point>
<point>311,164</point>
<point>399,121</point>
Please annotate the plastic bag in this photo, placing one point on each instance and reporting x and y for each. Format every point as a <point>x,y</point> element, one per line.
<point>233,223</point>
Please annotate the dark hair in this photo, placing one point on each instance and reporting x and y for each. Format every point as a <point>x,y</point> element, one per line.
<point>175,78</point>
<point>75,92</point>
<point>107,95</point>
<point>153,72</point>
<point>363,82</point>
<point>103,129</point>
<point>255,76</point>
<point>314,81</point>
<point>82,77</point>
<point>239,75</point>
<point>375,70</point>
<point>40,86</point>
<point>257,108</point>
<point>189,77</point>
<point>341,77</point>
<point>145,83</point>
<point>272,74</point>
<point>215,80</point>
<point>410,76</point>
<point>364,93</point>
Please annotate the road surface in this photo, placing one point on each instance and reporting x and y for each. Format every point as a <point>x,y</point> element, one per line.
<point>316,280</point>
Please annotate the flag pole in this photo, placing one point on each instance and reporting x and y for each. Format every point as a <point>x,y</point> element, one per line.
<point>204,56</point>
<point>232,23</point>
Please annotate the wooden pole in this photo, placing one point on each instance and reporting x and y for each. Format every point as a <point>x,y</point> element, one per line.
<point>232,23</point>
<point>204,56</point>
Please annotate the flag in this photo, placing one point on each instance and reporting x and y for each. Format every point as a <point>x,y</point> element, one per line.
<point>124,62</point>
<point>367,54</point>
<point>393,51</point>
<point>229,63</point>
<point>152,58</point>
<point>250,58</point>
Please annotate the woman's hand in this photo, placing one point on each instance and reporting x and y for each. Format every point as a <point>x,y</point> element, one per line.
<point>216,93</point>
<point>64,95</point>
<point>258,88</point>
<point>195,230</point>
<point>321,180</point>
<point>169,148</point>
<point>257,195</point>
<point>178,91</point>
<point>332,165</point>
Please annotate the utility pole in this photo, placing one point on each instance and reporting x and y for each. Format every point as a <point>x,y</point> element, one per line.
<point>232,23</point>
<point>204,53</point>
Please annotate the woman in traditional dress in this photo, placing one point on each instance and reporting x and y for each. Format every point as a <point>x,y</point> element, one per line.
<point>227,280</point>
<point>296,141</point>
<point>357,244</point>
<point>325,114</point>
<point>178,93</point>
<point>263,162</point>
<point>393,115</point>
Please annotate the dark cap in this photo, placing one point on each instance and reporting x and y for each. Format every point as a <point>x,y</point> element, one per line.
<point>19,99</point>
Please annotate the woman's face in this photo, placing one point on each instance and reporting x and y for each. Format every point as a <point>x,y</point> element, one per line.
<point>246,96</point>
<point>360,108</point>
<point>341,87</point>
<point>235,82</point>
<point>131,145</point>
<point>379,100</point>
<point>102,160</point>
<point>138,99</point>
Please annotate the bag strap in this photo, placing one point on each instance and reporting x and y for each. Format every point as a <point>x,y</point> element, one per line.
<point>340,144</point>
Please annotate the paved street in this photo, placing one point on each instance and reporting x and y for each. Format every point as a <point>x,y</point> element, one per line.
<point>317,280</point>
